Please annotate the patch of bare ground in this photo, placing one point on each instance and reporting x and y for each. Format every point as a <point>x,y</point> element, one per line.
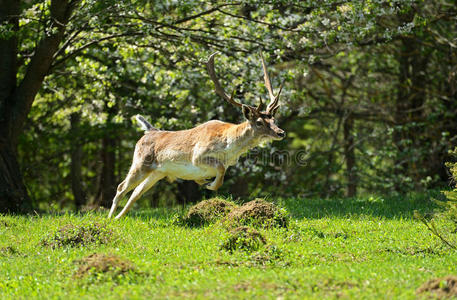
<point>441,288</point>
<point>111,265</point>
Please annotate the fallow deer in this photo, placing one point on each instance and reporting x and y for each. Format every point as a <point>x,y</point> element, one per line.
<point>200,153</point>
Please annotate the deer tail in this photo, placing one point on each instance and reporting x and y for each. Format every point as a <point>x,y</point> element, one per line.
<point>145,125</point>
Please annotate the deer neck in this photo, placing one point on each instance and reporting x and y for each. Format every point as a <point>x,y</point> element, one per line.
<point>243,138</point>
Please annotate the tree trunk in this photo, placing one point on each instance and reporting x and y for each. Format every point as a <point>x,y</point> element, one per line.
<point>16,99</point>
<point>13,194</point>
<point>108,184</point>
<point>349,154</point>
<point>107,177</point>
<point>401,107</point>
<point>76,158</point>
<point>408,135</point>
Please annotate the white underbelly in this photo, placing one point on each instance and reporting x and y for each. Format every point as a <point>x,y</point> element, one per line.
<point>187,171</point>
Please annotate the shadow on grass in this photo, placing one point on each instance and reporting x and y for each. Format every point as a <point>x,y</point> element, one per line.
<point>315,208</point>
<point>387,207</point>
<point>160,214</point>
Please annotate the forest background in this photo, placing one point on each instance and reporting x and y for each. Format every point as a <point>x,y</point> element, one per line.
<point>369,100</point>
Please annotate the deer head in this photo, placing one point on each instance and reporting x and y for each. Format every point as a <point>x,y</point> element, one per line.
<point>262,121</point>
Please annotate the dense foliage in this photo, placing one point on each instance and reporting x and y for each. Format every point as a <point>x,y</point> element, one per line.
<point>369,102</point>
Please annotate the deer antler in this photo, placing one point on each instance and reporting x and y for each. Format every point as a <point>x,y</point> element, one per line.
<point>273,105</point>
<point>219,90</point>
<point>260,106</point>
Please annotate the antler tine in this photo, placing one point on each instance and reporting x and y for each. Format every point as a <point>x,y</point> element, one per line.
<point>267,80</point>
<point>219,90</point>
<point>275,104</point>
<point>273,99</point>
<point>260,106</point>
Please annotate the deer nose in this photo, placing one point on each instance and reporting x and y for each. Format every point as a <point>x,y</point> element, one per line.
<point>282,134</point>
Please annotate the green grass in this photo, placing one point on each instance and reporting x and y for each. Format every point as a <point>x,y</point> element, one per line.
<point>364,249</point>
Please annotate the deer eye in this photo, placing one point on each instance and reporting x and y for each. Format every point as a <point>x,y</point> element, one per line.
<point>259,123</point>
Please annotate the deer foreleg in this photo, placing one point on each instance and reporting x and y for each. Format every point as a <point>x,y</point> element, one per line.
<point>220,172</point>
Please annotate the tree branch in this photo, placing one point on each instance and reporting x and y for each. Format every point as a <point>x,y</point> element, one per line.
<point>75,52</point>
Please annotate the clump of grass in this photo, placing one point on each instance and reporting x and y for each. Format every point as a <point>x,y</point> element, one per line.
<point>441,288</point>
<point>258,213</point>
<point>8,251</point>
<point>207,212</point>
<point>78,235</point>
<point>243,238</point>
<point>271,254</point>
<point>102,265</point>
<point>5,223</point>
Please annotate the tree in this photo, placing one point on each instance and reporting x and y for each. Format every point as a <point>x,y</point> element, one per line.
<point>76,163</point>
<point>17,95</point>
<point>374,132</point>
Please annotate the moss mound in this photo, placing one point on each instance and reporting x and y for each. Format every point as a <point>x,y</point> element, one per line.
<point>441,288</point>
<point>111,265</point>
<point>208,211</point>
<point>80,235</point>
<point>243,238</point>
<point>258,213</point>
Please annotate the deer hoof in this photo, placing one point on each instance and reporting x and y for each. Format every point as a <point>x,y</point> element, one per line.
<point>212,187</point>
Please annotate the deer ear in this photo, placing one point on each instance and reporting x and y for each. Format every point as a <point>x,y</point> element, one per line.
<point>247,112</point>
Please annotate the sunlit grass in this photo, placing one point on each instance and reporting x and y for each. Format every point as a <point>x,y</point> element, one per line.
<point>356,248</point>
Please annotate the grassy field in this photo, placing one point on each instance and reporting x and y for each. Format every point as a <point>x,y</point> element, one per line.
<point>352,248</point>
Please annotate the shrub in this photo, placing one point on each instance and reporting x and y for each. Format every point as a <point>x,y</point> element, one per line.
<point>448,216</point>
<point>451,204</point>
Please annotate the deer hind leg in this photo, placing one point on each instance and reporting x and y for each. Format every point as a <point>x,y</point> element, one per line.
<point>220,172</point>
<point>134,177</point>
<point>140,190</point>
